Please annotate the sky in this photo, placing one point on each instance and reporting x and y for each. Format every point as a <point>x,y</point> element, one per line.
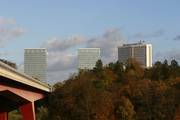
<point>63,26</point>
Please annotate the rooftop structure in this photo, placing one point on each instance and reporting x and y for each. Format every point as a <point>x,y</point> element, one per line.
<point>141,52</point>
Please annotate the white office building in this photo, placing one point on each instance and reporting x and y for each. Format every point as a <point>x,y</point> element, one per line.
<point>141,52</point>
<point>87,57</point>
<point>35,63</point>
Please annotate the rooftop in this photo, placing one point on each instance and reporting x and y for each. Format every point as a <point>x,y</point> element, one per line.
<point>34,48</point>
<point>88,48</point>
<point>138,43</point>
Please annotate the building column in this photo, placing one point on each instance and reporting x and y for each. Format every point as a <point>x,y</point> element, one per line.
<point>28,111</point>
<point>3,116</point>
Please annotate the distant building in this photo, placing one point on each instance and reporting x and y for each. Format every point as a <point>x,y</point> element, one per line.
<point>87,57</point>
<point>35,63</point>
<point>141,52</point>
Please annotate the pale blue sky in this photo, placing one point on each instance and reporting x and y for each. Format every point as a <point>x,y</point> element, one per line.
<point>155,21</point>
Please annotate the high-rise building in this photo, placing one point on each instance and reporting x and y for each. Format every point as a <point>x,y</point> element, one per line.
<point>87,57</point>
<point>141,52</point>
<point>35,63</point>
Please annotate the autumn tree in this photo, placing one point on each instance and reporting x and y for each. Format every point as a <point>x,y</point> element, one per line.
<point>124,109</point>
<point>133,70</point>
<point>119,69</point>
<point>149,94</point>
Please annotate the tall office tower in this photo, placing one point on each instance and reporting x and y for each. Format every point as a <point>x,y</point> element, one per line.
<point>141,52</point>
<point>87,57</point>
<point>35,63</point>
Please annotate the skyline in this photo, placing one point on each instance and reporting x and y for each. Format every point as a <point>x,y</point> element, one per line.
<point>63,26</point>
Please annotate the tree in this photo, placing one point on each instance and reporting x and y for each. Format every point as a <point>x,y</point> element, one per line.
<point>14,115</point>
<point>133,70</point>
<point>99,66</point>
<point>88,96</point>
<point>165,70</point>
<point>174,69</point>
<point>11,64</point>
<point>124,109</point>
<point>119,70</point>
<point>156,71</point>
<point>42,113</point>
<point>98,69</point>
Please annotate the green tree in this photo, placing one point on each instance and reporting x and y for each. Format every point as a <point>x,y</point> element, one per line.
<point>119,70</point>
<point>174,69</point>
<point>98,69</point>
<point>88,96</point>
<point>99,66</point>
<point>165,71</point>
<point>156,71</point>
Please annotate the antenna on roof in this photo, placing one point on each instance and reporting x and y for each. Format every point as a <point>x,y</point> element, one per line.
<point>141,41</point>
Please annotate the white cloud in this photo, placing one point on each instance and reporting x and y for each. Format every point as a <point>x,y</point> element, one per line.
<point>60,65</point>
<point>21,67</point>
<point>10,33</point>
<point>57,44</point>
<point>9,30</point>
<point>61,61</point>
<point>108,44</point>
<point>4,21</point>
<point>62,57</point>
<point>59,76</point>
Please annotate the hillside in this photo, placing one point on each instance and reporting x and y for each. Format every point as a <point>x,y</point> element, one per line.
<point>114,92</point>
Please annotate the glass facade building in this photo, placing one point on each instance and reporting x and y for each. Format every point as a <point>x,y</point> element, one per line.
<point>87,57</point>
<point>35,63</point>
<point>141,52</point>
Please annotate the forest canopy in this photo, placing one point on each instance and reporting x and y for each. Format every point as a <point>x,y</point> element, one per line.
<point>118,92</point>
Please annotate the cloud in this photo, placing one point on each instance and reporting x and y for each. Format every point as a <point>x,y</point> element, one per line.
<point>108,44</point>
<point>61,61</point>
<point>60,50</point>
<point>57,44</point>
<point>62,57</point>
<point>177,38</point>
<point>10,33</point>
<point>60,76</point>
<point>21,67</point>
<point>61,66</point>
<point>4,21</point>
<point>9,30</point>
<point>153,34</point>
